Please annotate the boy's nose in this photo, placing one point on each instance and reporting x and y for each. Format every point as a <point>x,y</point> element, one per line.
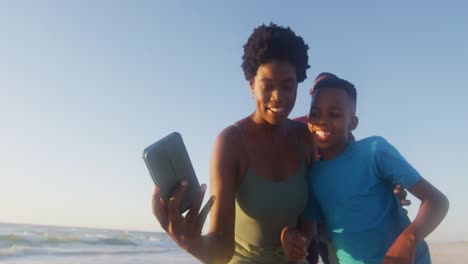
<point>321,120</point>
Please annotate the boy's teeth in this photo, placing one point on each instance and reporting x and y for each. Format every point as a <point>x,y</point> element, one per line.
<point>322,134</point>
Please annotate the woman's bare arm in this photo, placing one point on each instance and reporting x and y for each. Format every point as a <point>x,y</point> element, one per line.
<point>218,245</point>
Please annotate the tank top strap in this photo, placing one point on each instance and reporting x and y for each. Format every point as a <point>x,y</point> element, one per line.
<point>244,141</point>
<point>301,146</point>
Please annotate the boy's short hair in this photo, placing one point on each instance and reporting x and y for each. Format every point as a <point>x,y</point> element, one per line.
<point>324,75</point>
<point>321,76</point>
<point>274,42</point>
<point>338,84</point>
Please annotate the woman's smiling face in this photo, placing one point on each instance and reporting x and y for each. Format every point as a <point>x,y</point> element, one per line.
<point>274,89</point>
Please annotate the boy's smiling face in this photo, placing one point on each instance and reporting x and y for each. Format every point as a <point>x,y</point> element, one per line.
<point>331,118</point>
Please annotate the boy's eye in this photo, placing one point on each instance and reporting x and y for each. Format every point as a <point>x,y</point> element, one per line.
<point>335,114</point>
<point>313,115</point>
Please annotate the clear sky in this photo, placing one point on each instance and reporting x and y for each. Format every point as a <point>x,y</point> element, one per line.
<point>85,86</point>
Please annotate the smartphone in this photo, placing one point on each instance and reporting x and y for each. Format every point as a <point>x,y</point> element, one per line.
<point>168,163</point>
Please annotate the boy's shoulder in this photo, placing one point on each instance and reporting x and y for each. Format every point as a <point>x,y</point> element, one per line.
<point>372,141</point>
<point>368,147</point>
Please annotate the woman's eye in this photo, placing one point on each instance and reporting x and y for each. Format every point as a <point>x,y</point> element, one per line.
<point>288,87</point>
<point>267,87</point>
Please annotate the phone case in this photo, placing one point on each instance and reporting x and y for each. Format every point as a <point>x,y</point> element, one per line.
<point>168,163</point>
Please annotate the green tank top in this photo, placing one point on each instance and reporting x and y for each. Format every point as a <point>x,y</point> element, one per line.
<point>263,208</point>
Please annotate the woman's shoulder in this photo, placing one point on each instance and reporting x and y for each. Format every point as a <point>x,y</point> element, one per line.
<point>299,126</point>
<point>229,134</point>
<point>300,130</point>
<point>306,141</point>
<point>232,135</point>
<point>236,129</point>
<point>229,156</point>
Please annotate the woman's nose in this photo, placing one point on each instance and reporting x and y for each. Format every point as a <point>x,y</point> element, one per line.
<point>277,95</point>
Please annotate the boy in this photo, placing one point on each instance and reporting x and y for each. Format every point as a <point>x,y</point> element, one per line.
<point>353,174</point>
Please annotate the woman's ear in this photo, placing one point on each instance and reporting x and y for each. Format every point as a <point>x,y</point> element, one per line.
<point>251,84</point>
<point>354,122</point>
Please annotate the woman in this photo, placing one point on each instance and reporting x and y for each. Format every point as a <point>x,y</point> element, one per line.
<point>259,164</point>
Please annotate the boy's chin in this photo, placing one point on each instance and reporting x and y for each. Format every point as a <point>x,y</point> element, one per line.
<point>322,146</point>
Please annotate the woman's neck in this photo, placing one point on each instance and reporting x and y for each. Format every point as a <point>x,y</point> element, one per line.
<point>265,129</point>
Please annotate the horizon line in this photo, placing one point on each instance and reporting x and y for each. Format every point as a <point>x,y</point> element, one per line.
<point>81,227</point>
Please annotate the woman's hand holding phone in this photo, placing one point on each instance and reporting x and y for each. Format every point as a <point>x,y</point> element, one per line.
<point>182,229</point>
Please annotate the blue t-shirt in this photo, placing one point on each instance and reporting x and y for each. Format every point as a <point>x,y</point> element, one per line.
<point>355,194</point>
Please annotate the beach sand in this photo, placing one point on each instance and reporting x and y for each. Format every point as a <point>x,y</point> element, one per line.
<point>449,252</point>
<point>442,253</point>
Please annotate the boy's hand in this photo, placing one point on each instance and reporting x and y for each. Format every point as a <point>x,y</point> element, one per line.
<point>402,194</point>
<point>294,244</point>
<point>402,251</point>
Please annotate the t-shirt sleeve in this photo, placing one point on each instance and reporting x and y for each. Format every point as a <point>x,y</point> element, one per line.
<point>393,167</point>
<point>312,212</point>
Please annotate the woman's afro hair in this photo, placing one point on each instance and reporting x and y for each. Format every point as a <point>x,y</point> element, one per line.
<point>274,42</point>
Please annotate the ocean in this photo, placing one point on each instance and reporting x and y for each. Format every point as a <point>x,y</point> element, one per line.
<point>36,244</point>
<point>21,244</point>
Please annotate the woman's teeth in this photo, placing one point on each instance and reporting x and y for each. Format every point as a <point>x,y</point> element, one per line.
<point>276,109</point>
